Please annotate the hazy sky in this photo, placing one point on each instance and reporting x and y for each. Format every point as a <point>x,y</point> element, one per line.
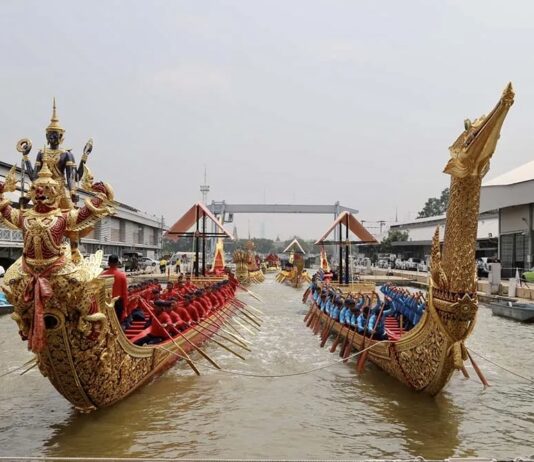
<point>282,101</point>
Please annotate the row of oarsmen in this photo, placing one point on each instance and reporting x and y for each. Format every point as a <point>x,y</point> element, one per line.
<point>362,312</point>
<point>410,306</point>
<point>170,311</point>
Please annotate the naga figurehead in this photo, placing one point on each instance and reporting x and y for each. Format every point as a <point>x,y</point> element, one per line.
<point>472,151</point>
<point>453,282</point>
<point>470,160</point>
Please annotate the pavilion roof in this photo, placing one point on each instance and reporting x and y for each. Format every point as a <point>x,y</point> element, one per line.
<point>196,213</point>
<point>294,243</point>
<point>350,221</point>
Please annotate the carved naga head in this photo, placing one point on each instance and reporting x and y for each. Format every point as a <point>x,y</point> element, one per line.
<point>472,151</point>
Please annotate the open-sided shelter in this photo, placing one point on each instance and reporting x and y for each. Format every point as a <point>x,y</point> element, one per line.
<point>197,217</point>
<point>347,220</point>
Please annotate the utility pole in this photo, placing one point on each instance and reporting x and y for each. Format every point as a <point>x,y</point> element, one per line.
<point>161,236</point>
<point>381,223</point>
<point>205,188</point>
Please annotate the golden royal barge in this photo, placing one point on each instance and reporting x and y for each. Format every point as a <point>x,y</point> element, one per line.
<point>425,357</point>
<point>63,306</point>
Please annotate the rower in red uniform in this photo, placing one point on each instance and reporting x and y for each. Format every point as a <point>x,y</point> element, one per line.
<point>205,300</point>
<point>189,287</point>
<point>160,321</point>
<point>182,312</point>
<point>175,323</point>
<point>191,309</point>
<point>216,302</point>
<point>120,287</point>
<point>199,307</point>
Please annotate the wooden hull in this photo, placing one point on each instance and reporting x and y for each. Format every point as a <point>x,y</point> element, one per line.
<point>97,373</point>
<point>421,359</point>
<point>6,309</point>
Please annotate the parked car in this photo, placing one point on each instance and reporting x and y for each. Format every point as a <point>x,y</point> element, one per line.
<point>422,266</point>
<point>411,263</point>
<point>147,263</point>
<point>131,261</point>
<point>382,263</point>
<point>400,264</point>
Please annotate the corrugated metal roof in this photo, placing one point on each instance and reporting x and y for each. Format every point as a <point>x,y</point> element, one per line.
<point>520,174</point>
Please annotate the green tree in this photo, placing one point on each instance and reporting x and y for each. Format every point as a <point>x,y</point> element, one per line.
<point>435,206</point>
<point>394,235</point>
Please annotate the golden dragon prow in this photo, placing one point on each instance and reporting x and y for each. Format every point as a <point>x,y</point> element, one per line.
<point>453,283</point>
<point>426,357</point>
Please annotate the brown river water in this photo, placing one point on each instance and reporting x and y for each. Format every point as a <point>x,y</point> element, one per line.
<point>332,413</point>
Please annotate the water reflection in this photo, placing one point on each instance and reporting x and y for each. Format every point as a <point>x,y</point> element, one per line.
<point>152,418</point>
<point>426,426</point>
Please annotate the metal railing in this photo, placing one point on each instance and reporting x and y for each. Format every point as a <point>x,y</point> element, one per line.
<point>10,235</point>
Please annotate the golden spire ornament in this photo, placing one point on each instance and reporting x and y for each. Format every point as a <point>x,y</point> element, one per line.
<point>54,121</point>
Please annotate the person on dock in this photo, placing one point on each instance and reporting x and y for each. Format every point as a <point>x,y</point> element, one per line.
<point>162,265</point>
<point>120,287</point>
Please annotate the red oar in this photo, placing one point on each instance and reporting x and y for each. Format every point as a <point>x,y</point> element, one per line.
<point>185,355</point>
<point>305,296</point>
<point>311,318</point>
<point>309,312</point>
<point>326,331</point>
<point>338,338</point>
<point>348,348</point>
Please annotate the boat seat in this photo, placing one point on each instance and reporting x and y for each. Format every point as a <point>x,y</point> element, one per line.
<point>139,336</point>
<point>132,332</point>
<point>392,327</point>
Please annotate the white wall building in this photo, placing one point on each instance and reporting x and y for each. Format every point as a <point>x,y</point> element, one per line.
<point>421,231</point>
<point>512,194</point>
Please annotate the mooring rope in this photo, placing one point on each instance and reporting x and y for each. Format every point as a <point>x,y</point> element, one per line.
<point>528,379</point>
<point>26,364</point>
<point>290,374</point>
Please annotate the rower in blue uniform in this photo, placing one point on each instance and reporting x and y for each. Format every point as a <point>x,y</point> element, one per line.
<point>356,310</point>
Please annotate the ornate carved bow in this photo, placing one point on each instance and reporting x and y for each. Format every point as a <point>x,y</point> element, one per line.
<point>39,290</point>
